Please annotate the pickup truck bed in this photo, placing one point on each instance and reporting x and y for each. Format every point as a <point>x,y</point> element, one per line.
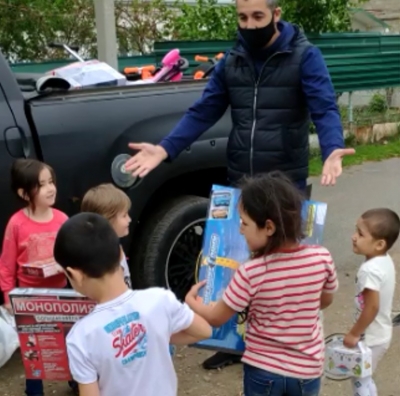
<point>80,133</point>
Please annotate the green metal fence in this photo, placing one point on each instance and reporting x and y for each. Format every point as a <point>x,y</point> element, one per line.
<point>356,61</point>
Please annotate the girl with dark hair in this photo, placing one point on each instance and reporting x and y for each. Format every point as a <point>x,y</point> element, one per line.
<point>282,290</point>
<point>30,235</point>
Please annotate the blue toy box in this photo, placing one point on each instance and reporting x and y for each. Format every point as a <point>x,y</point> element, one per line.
<point>224,249</point>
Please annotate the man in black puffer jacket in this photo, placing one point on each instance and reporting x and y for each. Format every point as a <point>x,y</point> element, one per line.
<point>274,79</point>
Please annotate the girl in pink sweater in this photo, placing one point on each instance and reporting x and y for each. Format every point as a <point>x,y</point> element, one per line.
<point>30,234</point>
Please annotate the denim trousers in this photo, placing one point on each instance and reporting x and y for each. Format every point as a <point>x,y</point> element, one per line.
<point>257,382</point>
<point>34,387</point>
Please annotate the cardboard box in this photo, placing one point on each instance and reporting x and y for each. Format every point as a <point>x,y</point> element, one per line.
<point>42,269</point>
<point>78,75</point>
<point>342,362</point>
<point>43,318</point>
<point>224,249</point>
<point>90,73</point>
<point>314,216</point>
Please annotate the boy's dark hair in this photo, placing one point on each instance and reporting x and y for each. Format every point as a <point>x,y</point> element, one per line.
<point>383,224</point>
<point>25,176</point>
<point>272,196</point>
<point>88,242</point>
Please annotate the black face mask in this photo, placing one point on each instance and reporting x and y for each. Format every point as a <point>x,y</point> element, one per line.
<point>257,39</point>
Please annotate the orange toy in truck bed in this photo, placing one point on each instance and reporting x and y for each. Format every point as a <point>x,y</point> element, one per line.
<point>207,64</point>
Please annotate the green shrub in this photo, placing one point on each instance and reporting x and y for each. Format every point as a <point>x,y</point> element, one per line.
<point>378,104</point>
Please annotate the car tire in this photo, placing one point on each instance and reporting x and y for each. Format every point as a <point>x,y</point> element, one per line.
<point>160,235</point>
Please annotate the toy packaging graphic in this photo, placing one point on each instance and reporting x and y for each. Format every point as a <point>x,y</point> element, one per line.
<point>342,363</point>
<point>224,249</point>
<point>314,216</point>
<point>43,318</point>
<point>42,269</point>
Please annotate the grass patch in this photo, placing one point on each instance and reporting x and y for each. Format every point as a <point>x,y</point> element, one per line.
<point>369,152</point>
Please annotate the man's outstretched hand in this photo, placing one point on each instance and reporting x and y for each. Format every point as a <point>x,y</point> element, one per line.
<point>333,166</point>
<point>148,157</point>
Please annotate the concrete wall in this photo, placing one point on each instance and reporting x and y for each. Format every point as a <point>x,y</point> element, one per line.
<point>362,98</point>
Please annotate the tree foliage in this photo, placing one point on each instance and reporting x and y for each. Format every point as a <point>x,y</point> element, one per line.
<point>320,16</point>
<point>140,23</point>
<point>27,26</point>
<point>205,21</point>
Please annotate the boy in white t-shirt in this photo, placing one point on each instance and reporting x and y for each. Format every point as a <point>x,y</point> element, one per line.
<point>376,232</point>
<point>122,347</point>
<point>113,204</point>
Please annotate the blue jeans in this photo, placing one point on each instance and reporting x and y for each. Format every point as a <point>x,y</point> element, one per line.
<point>257,382</point>
<point>34,387</point>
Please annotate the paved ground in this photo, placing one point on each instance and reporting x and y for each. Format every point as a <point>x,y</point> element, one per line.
<point>360,188</point>
<point>373,184</point>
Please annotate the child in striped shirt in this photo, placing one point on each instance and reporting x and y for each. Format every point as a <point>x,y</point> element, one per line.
<point>282,289</point>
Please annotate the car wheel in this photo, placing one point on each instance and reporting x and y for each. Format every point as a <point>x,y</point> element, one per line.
<point>170,244</point>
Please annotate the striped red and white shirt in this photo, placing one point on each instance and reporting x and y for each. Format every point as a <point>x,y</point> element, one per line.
<point>283,292</point>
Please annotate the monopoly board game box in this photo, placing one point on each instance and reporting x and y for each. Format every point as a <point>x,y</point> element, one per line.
<point>42,269</point>
<point>224,249</point>
<point>43,318</point>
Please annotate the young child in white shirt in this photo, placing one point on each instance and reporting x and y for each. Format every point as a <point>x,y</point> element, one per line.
<point>376,232</point>
<point>113,204</point>
<point>122,346</point>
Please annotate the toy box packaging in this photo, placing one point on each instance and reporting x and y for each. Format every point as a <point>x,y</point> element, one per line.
<point>42,269</point>
<point>224,249</point>
<point>314,216</point>
<point>43,318</point>
<point>342,363</point>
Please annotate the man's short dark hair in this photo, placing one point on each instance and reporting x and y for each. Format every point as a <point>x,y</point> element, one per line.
<point>273,4</point>
<point>88,242</point>
<point>383,224</point>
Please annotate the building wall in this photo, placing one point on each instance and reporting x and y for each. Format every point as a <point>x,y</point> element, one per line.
<point>388,10</point>
<point>358,25</point>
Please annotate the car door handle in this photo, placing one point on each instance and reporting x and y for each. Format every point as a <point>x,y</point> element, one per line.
<point>16,142</point>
